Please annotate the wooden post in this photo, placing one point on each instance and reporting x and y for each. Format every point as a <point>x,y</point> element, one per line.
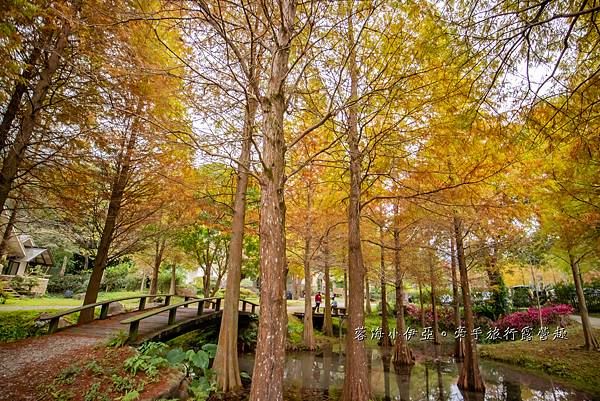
<point>218,305</point>
<point>104,311</point>
<point>185,299</point>
<point>253,308</point>
<point>172,314</point>
<point>142,303</point>
<point>200,308</point>
<point>133,331</point>
<point>53,325</point>
<point>243,306</point>
<point>167,300</point>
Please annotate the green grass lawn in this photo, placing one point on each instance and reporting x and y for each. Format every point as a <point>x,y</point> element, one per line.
<point>52,300</point>
<point>295,302</point>
<point>564,359</point>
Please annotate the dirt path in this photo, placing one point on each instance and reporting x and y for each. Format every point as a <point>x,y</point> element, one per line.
<point>27,364</point>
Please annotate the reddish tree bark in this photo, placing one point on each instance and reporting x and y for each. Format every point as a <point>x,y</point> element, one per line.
<point>16,153</point>
<point>226,363</point>
<point>327,321</point>
<point>114,206</point>
<point>591,343</point>
<point>385,340</point>
<point>470,377</point>
<point>308,335</point>
<point>356,382</point>
<point>402,354</point>
<point>459,351</point>
<point>267,380</point>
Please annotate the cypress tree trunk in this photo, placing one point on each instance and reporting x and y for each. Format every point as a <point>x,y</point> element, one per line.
<point>421,304</point>
<point>173,286</point>
<point>385,340</point>
<point>308,335</point>
<point>226,363</point>
<point>591,343</point>
<point>470,377</point>
<point>267,380</point>
<point>9,228</point>
<point>114,207</point>
<point>436,339</point>
<point>368,309</point>
<point>356,382</point>
<point>458,343</point>
<point>160,245</point>
<point>24,135</point>
<point>402,354</point>
<point>327,321</point>
<point>15,99</point>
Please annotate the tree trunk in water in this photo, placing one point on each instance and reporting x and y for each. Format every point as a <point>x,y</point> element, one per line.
<point>470,377</point>
<point>436,339</point>
<point>327,321</point>
<point>402,353</point>
<point>368,309</point>
<point>403,381</point>
<point>16,153</point>
<point>356,381</point>
<point>459,350</point>
<point>385,340</point>
<point>226,363</point>
<point>267,380</point>
<point>114,206</point>
<point>591,343</point>
<point>308,335</point>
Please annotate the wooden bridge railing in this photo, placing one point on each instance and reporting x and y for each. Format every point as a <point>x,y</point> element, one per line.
<point>134,322</point>
<point>55,318</point>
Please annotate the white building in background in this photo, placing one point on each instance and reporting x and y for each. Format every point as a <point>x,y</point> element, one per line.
<point>21,252</point>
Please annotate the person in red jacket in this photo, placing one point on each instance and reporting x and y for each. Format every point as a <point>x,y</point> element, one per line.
<point>317,301</point>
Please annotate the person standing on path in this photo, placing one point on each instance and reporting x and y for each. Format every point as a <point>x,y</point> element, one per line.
<point>317,301</point>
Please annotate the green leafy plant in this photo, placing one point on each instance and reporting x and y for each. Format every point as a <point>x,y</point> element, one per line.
<point>148,358</point>
<point>95,394</point>
<point>130,396</point>
<point>197,366</point>
<point>118,339</point>
<point>122,384</point>
<point>68,374</point>
<point>94,367</point>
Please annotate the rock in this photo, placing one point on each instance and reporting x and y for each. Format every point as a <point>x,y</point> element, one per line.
<point>115,308</point>
<point>79,296</point>
<point>62,322</point>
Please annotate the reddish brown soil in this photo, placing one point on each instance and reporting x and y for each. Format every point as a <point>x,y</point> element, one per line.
<point>27,373</point>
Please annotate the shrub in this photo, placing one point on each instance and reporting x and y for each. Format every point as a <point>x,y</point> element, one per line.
<point>73,282</point>
<point>23,284</point>
<point>19,324</point>
<point>121,277</point>
<point>564,293</point>
<point>3,295</point>
<point>164,280</point>
<point>518,320</point>
<point>445,316</point>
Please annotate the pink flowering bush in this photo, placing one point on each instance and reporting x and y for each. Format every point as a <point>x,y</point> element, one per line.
<point>445,316</point>
<point>518,320</point>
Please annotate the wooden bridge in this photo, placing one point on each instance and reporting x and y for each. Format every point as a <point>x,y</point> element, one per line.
<point>154,324</point>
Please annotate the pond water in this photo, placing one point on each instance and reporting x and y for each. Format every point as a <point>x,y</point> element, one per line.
<point>321,377</point>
